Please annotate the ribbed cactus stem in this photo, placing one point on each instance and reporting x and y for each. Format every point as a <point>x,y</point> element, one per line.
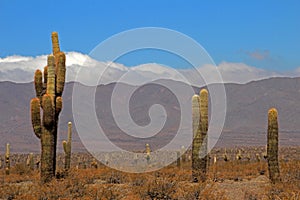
<point>38,83</point>
<point>36,117</point>
<point>183,154</point>
<point>58,105</point>
<point>45,77</point>
<point>148,150</point>
<point>55,43</point>
<point>196,170</point>
<point>272,146</point>
<point>51,76</point>
<point>204,129</point>
<point>67,147</point>
<point>239,155</point>
<point>60,73</point>
<point>7,159</point>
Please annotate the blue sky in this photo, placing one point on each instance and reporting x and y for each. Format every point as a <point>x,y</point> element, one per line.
<point>264,34</point>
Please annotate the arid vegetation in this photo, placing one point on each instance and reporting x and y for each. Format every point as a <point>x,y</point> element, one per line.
<point>233,179</point>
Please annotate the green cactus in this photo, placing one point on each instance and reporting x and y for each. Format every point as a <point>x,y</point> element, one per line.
<point>200,128</point>
<point>67,147</point>
<point>7,160</point>
<point>272,146</point>
<point>48,98</point>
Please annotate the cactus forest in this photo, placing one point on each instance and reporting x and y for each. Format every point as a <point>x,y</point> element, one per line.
<point>110,101</point>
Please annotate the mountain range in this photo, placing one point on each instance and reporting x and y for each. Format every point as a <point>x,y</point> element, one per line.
<point>245,124</point>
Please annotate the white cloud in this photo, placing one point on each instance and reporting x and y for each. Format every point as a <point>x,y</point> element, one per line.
<point>21,69</point>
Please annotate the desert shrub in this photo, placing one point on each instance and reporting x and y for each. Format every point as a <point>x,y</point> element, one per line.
<point>21,169</point>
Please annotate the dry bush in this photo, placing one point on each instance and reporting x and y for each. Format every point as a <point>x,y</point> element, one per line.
<point>168,183</point>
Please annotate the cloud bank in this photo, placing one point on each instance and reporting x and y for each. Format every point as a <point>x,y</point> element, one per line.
<point>88,71</point>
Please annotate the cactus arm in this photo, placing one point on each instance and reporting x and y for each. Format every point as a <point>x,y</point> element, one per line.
<point>45,77</point>
<point>59,105</point>
<point>36,117</point>
<point>204,110</point>
<point>60,73</point>
<point>65,146</point>
<point>196,113</point>
<point>38,83</point>
<point>55,43</point>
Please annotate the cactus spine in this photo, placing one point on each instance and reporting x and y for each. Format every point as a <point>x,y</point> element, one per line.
<point>272,146</point>
<point>200,127</point>
<point>48,98</point>
<point>67,147</point>
<point>7,160</point>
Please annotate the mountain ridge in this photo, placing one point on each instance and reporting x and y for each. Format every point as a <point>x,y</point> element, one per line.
<point>245,124</point>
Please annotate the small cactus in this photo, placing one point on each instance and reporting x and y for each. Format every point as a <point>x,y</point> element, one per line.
<point>272,147</point>
<point>183,154</point>
<point>30,161</point>
<point>248,157</point>
<point>7,160</point>
<point>215,159</point>
<point>257,156</point>
<point>67,147</point>
<point>200,128</point>
<point>148,150</point>
<point>239,155</point>
<point>225,157</point>
<point>94,164</point>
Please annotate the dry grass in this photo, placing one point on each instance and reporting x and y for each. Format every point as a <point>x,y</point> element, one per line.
<point>227,180</point>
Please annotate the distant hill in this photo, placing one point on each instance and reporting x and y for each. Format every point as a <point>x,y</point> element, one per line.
<point>246,121</point>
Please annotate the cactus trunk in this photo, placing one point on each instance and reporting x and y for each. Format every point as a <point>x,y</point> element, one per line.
<point>48,98</point>
<point>272,146</point>
<point>200,127</point>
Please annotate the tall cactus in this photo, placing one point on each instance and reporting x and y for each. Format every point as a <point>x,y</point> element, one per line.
<point>67,147</point>
<point>200,127</point>
<point>272,146</point>
<point>7,160</point>
<point>48,98</point>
